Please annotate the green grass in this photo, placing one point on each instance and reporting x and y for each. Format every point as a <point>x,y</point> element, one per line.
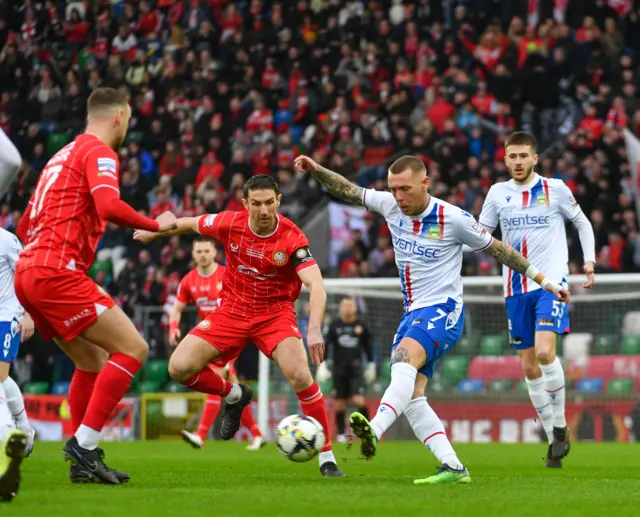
<point>171,479</point>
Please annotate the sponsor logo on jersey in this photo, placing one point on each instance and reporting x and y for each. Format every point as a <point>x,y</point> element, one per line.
<point>433,232</point>
<point>508,198</point>
<point>416,249</point>
<point>524,221</point>
<point>279,258</point>
<point>545,322</point>
<point>208,222</point>
<point>252,271</point>
<point>255,253</point>
<point>234,247</point>
<point>204,325</point>
<point>219,286</point>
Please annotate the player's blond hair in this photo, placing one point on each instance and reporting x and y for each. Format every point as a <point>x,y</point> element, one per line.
<point>102,100</point>
<point>408,162</point>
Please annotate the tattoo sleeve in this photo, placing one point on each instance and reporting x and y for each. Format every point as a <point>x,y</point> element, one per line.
<point>339,186</point>
<point>506,255</point>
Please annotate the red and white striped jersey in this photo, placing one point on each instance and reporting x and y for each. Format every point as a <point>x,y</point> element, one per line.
<point>64,227</point>
<point>202,291</point>
<point>428,247</point>
<point>261,271</point>
<point>532,220</point>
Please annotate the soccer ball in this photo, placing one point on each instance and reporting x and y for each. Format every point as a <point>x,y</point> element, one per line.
<point>299,437</point>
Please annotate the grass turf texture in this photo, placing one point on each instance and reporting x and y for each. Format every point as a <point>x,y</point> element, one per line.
<point>171,479</point>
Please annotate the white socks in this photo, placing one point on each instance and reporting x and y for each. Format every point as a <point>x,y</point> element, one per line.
<point>396,398</point>
<point>542,404</point>
<point>553,378</point>
<point>429,429</point>
<point>234,395</point>
<point>327,456</point>
<point>16,404</point>
<point>87,438</point>
<point>6,420</point>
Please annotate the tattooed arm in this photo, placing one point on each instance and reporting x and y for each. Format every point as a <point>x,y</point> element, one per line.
<point>336,185</point>
<point>506,255</point>
<point>511,258</point>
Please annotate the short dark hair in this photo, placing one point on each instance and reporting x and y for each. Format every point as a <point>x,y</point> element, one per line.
<point>260,182</point>
<point>410,162</point>
<point>521,138</point>
<point>204,238</point>
<point>105,98</point>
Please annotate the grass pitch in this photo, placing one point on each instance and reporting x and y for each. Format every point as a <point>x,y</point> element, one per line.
<point>171,479</point>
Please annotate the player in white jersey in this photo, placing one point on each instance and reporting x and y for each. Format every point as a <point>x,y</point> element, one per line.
<point>13,442</point>
<point>531,211</point>
<point>10,163</point>
<point>428,235</point>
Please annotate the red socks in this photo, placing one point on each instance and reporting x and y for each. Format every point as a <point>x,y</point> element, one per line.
<point>208,381</point>
<point>209,414</point>
<point>111,385</point>
<point>249,421</point>
<point>80,391</point>
<point>312,402</point>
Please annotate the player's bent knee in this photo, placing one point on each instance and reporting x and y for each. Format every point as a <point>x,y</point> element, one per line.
<point>531,370</point>
<point>139,350</point>
<point>545,356</point>
<point>180,370</point>
<point>4,371</point>
<point>300,379</point>
<point>409,351</point>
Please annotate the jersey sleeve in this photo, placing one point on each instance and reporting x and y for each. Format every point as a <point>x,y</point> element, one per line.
<point>300,254</point>
<point>101,167</point>
<point>376,201</point>
<point>184,294</point>
<point>469,232</point>
<point>569,207</point>
<point>12,248</point>
<point>215,226</point>
<point>489,215</point>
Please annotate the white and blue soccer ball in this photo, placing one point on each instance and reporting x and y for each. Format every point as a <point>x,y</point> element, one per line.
<point>299,437</point>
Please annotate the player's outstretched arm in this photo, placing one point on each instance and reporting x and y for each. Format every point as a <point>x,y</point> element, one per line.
<point>312,279</point>
<point>183,225</point>
<point>511,258</point>
<point>336,185</point>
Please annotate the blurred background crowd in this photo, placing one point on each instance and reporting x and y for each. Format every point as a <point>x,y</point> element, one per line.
<point>221,90</point>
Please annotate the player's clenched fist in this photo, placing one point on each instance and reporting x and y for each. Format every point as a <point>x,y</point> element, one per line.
<point>316,345</point>
<point>590,271</point>
<point>304,164</point>
<point>552,287</point>
<point>167,222</point>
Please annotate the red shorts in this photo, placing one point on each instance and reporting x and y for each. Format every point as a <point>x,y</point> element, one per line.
<point>62,303</point>
<point>229,333</point>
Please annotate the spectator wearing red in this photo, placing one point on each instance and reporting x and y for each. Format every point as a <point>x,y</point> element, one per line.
<point>149,20</point>
<point>210,168</point>
<point>591,124</point>
<point>260,119</point>
<point>172,160</point>
<point>439,111</point>
<point>162,204</point>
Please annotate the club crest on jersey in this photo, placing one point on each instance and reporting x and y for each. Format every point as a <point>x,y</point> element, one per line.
<point>208,222</point>
<point>204,325</point>
<point>542,199</point>
<point>433,232</point>
<point>279,258</point>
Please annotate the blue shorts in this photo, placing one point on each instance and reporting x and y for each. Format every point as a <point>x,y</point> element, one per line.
<point>437,328</point>
<point>10,336</point>
<point>531,312</point>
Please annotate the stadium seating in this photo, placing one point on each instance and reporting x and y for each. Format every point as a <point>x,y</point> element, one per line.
<point>604,345</point>
<point>630,345</point>
<point>148,387</point>
<point>576,345</point>
<point>498,386</point>
<point>471,386</point>
<point>590,385</point>
<point>619,386</point>
<point>454,368</point>
<point>493,344</point>
<point>35,388</point>
<point>175,387</point>
<point>156,371</point>
<point>60,388</point>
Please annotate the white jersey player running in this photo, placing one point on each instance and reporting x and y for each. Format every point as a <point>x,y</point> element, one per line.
<point>14,443</point>
<point>531,212</point>
<point>428,235</point>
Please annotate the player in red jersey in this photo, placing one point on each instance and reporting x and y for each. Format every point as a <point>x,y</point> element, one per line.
<point>77,193</point>
<point>202,287</point>
<point>268,260</point>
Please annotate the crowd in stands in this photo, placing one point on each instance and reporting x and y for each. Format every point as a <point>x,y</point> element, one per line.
<point>221,90</point>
